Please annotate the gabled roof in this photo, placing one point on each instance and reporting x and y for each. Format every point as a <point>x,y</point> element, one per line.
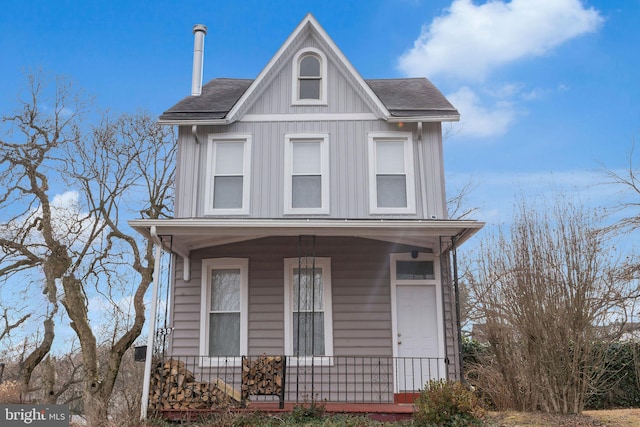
<point>223,100</point>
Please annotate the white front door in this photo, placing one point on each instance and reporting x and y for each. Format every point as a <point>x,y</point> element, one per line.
<point>417,336</point>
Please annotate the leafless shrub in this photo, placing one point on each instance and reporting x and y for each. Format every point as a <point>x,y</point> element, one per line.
<point>548,291</point>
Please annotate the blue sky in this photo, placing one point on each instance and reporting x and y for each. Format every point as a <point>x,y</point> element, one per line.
<point>547,89</point>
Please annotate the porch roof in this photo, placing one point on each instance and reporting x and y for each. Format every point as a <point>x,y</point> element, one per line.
<point>189,234</point>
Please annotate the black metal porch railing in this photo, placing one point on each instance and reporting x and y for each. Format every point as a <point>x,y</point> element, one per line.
<point>196,382</point>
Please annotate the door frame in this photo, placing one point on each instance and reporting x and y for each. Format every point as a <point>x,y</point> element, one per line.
<point>437,282</point>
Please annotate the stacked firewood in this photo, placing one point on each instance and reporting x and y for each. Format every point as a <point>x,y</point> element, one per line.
<point>173,386</point>
<point>263,375</point>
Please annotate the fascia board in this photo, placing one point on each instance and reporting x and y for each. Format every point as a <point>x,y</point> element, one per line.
<point>292,227</point>
<point>191,122</point>
<point>425,119</point>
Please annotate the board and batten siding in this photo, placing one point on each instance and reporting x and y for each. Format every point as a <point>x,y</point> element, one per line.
<point>343,96</point>
<point>348,158</point>
<point>360,294</point>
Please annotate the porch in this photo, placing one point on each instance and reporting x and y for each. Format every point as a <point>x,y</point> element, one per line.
<point>190,386</point>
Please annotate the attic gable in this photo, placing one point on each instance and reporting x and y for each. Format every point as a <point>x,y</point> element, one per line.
<point>309,27</point>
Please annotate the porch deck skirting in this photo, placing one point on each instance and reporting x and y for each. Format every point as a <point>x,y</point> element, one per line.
<point>196,382</point>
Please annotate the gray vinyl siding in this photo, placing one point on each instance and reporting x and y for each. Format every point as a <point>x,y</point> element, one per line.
<point>360,295</point>
<point>348,159</point>
<point>348,141</point>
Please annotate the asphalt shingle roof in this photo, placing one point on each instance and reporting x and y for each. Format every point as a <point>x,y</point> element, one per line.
<point>412,97</point>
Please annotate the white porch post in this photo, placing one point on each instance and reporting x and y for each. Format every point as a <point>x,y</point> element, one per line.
<point>152,327</point>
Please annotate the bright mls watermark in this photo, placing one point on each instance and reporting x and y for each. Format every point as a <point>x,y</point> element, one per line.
<point>34,415</point>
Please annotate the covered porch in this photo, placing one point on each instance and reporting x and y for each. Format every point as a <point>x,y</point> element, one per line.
<point>362,364</point>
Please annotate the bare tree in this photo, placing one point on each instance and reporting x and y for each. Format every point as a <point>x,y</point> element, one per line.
<point>550,296</point>
<point>108,171</point>
<point>457,204</point>
<point>9,325</point>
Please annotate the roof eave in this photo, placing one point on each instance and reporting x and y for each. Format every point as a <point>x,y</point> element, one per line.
<point>191,122</point>
<point>195,233</point>
<point>438,118</point>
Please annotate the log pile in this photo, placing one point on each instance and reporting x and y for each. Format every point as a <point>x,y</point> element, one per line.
<point>173,386</point>
<point>263,375</point>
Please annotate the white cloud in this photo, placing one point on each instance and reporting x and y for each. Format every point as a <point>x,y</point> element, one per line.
<point>469,41</point>
<point>478,119</point>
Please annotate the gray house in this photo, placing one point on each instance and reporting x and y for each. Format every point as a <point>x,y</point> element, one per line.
<point>311,223</point>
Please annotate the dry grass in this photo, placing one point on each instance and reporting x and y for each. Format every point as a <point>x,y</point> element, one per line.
<point>10,392</point>
<point>617,417</point>
<point>608,418</point>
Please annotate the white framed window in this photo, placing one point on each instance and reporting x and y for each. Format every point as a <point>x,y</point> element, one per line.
<point>309,77</point>
<point>391,176</point>
<point>306,179</point>
<point>224,310</point>
<point>227,174</point>
<point>308,324</point>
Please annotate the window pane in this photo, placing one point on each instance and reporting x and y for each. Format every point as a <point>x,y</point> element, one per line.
<point>306,157</point>
<point>225,290</point>
<point>309,89</point>
<point>389,157</point>
<point>310,67</point>
<point>392,191</point>
<point>224,334</point>
<point>306,191</point>
<point>414,270</point>
<point>229,158</point>
<point>227,192</point>
<point>311,336</point>
<point>307,296</point>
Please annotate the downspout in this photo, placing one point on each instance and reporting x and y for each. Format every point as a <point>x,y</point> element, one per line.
<point>144,404</point>
<point>423,174</point>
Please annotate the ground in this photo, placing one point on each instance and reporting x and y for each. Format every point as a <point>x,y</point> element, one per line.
<point>608,418</point>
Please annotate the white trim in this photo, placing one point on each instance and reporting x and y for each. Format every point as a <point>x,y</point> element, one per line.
<point>323,139</point>
<point>205,297</point>
<point>308,117</point>
<point>194,233</point>
<point>437,282</point>
<point>453,117</point>
<point>407,138</point>
<point>212,140</point>
<point>295,74</point>
<point>325,264</point>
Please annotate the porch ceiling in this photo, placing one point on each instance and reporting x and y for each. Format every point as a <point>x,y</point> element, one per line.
<point>191,233</point>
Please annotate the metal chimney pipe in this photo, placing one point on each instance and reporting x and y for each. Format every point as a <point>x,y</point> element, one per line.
<point>198,55</point>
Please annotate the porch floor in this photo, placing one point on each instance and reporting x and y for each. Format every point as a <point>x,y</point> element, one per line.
<point>376,411</point>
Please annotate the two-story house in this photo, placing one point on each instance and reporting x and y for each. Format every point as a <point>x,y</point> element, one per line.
<point>311,222</point>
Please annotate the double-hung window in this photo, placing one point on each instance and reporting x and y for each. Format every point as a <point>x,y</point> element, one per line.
<point>227,174</point>
<point>308,310</point>
<point>309,77</point>
<point>223,320</point>
<point>391,179</point>
<point>306,174</point>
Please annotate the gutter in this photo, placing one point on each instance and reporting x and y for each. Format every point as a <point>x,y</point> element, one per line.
<point>426,119</point>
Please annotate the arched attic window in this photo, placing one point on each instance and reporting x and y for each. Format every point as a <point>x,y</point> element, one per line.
<point>309,77</point>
